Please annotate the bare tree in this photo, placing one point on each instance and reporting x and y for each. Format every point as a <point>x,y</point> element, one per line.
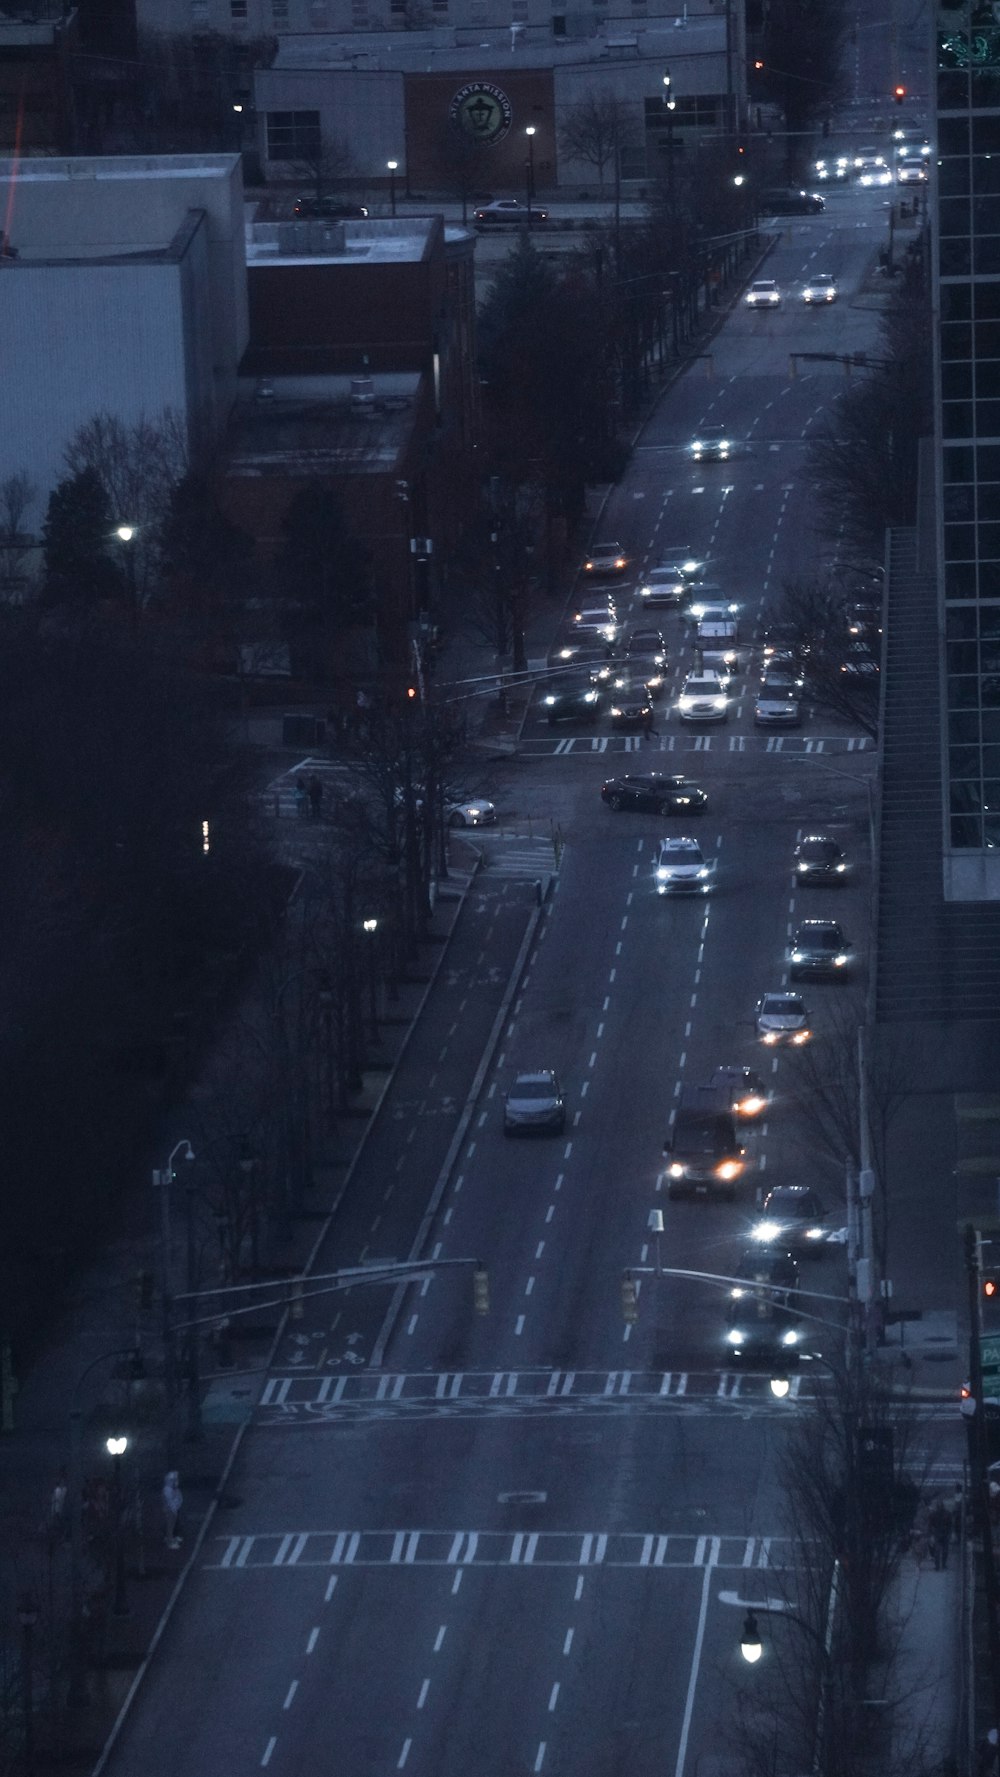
<point>140,466</point>
<point>17,494</point>
<point>325,162</point>
<point>811,618</point>
<point>596,129</point>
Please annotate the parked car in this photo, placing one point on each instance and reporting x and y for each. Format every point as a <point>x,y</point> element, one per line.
<point>534,1104</point>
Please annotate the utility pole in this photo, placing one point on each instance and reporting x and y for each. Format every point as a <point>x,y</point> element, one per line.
<point>976,1424</point>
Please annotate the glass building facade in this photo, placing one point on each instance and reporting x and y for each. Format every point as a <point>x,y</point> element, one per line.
<point>967,289</point>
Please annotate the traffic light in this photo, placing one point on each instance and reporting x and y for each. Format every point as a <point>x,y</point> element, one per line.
<point>411,691</point>
<point>630,1305</point>
<point>481,1290</point>
<point>758,65</point>
<point>899,94</point>
<point>991,1285</point>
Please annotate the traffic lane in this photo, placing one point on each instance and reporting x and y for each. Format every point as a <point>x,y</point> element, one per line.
<point>406,1148</point>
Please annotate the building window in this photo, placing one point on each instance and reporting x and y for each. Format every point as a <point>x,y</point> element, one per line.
<point>359,15</point>
<point>318,15</point>
<point>238,12</point>
<point>279,13</point>
<point>199,14</point>
<point>292,135</point>
<point>559,24</point>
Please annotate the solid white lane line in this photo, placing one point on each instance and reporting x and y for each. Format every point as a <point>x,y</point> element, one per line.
<point>706,1587</point>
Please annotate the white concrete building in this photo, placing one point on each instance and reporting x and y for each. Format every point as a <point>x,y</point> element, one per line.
<point>127,295</point>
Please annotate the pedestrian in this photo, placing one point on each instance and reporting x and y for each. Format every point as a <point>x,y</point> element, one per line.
<point>314,790</point>
<point>956,1508</point>
<point>301,799</point>
<point>173,1499</point>
<point>57,1507</point>
<point>939,1526</point>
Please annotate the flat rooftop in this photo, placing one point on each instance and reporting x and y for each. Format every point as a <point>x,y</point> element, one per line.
<point>321,424</point>
<point>91,168</point>
<point>455,50</point>
<point>375,241</point>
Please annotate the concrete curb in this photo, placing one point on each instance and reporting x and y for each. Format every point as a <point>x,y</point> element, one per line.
<point>441,1184</point>
<point>242,1429</point>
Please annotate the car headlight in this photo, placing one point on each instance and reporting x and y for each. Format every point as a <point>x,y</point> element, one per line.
<point>684,703</point>
<point>802,866</point>
<point>676,1169</point>
<point>839,962</point>
<point>718,703</point>
<point>682,801</point>
<point>840,869</point>
<point>703,872</point>
<point>737,1291</point>
<point>549,699</point>
<point>662,874</point>
<point>769,1036</point>
<point>615,709</point>
<point>790,1337</point>
<point>797,956</point>
<point>801,1036</point>
<point>590,697</point>
<point>730,1169</point>
<point>688,567</point>
<point>814,1233</point>
<point>767,1232</point>
<point>750,1107</point>
<point>735,1337</point>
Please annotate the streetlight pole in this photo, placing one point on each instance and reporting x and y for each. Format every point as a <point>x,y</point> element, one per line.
<point>530,167</point>
<point>669,103</point>
<point>116,1448</point>
<point>126,534</point>
<point>371,928</point>
<point>27,1616</point>
<point>393,166</point>
<point>162,1181</point>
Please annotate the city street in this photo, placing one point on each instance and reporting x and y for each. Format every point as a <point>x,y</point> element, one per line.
<point>521,1543</point>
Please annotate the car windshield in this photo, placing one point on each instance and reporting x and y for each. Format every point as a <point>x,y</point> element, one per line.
<point>679,853</point>
<point>702,687</point>
<point>818,851</point>
<point>532,1088</point>
<point>782,1005</point>
<point>824,939</point>
<point>785,1200</point>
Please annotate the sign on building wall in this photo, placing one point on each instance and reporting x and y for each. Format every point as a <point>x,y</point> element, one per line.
<point>482,111</point>
<point>467,130</point>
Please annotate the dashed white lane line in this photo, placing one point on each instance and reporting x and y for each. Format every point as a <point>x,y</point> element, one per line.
<point>553,1696</point>
<point>440,1638</point>
<point>624,922</point>
<point>607,1002</point>
<point>456,1582</point>
<point>688,1028</point>
<point>411,1326</point>
<point>529,1286</point>
<point>559,1181</point>
<point>583,1090</point>
<point>612,974</point>
<point>600,1029</point>
<point>519,1326</point>
<point>578,1594</point>
<point>424,1688</point>
<point>313,1638</point>
<point>568,1643</point>
<point>269,1748</point>
<point>540,1248</point>
<point>331,1586</point>
<point>550,1212</point>
<point>289,1700</point>
<point>404,1755</point>
<point>539,1756</point>
<point>593,1058</point>
<point>618,948</point>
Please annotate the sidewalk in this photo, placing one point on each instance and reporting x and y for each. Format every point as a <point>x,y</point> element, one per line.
<point>101,1323</point>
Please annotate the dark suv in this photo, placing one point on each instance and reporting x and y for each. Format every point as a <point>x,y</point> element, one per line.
<point>574,701</point>
<point>791,203</point>
<point>654,792</point>
<point>702,1150</point>
<point>819,951</point>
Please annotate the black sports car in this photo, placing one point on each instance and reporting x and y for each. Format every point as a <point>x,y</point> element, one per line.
<point>655,792</point>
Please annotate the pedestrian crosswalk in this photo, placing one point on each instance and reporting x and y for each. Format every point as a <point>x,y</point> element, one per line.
<point>304,1549</point>
<point>791,745</point>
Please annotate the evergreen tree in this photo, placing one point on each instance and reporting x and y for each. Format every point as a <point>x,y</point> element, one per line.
<point>77,538</point>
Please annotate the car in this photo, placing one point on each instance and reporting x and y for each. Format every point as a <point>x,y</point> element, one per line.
<point>605,558</point>
<point>869,156</point>
<point>711,444</point>
<point>589,654</point>
<point>747,1094</point>
<point>912,140</point>
<point>828,170</point>
<point>781,1017</point>
<point>703,1151</point>
<point>656,793</point>
<point>911,171</point>
<point>762,1330</point>
<point>777,707</point>
<point>631,704</point>
<point>791,203</point>
<point>764,294</point>
<point>477,812</point>
<point>821,288</point>
<point>819,951</point>
<point>715,647</point>
<point>680,867</point>
<point>663,586</point>
<point>508,209</point>
<point>328,209</point>
<point>576,700</point>
<point>596,619</point>
<point>707,605</point>
<point>862,658</point>
<point>534,1103</point>
<point>870,168</point>
<point>819,859</point>
<point>646,655</point>
<point>780,665</point>
<point>685,562</point>
<point>702,699</point>
<point>791,1218</point>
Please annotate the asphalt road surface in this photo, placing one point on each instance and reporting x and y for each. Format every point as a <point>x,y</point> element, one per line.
<point>522,1545</point>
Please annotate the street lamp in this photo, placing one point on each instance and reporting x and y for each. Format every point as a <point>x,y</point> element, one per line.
<point>126,534</point>
<point>393,166</point>
<point>530,167</point>
<point>669,103</point>
<point>371,928</point>
<point>751,1646</point>
<point>116,1448</point>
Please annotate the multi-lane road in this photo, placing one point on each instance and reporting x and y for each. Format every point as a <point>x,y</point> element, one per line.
<point>521,1544</point>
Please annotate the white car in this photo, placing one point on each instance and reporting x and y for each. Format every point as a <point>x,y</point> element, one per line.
<point>821,288</point>
<point>703,698</point>
<point>680,867</point>
<point>763,295</point>
<point>662,586</point>
<point>777,708</point>
<point>711,610</point>
<point>832,169</point>
<point>782,1018</point>
<point>912,171</point>
<point>870,168</point>
<point>477,812</point>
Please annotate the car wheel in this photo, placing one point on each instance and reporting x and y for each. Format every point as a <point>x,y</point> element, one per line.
<point>616,803</point>
<point>457,819</point>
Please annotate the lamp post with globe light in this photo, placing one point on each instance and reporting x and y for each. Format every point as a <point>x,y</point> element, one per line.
<point>126,534</point>
<point>529,170</point>
<point>116,1447</point>
<point>371,932</point>
<point>393,166</point>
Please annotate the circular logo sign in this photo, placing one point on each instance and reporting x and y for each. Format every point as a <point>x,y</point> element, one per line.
<point>483,111</point>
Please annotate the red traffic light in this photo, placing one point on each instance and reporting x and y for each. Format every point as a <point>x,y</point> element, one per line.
<point>411,690</point>
<point>758,65</point>
<point>899,94</point>
<point>990,1286</point>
